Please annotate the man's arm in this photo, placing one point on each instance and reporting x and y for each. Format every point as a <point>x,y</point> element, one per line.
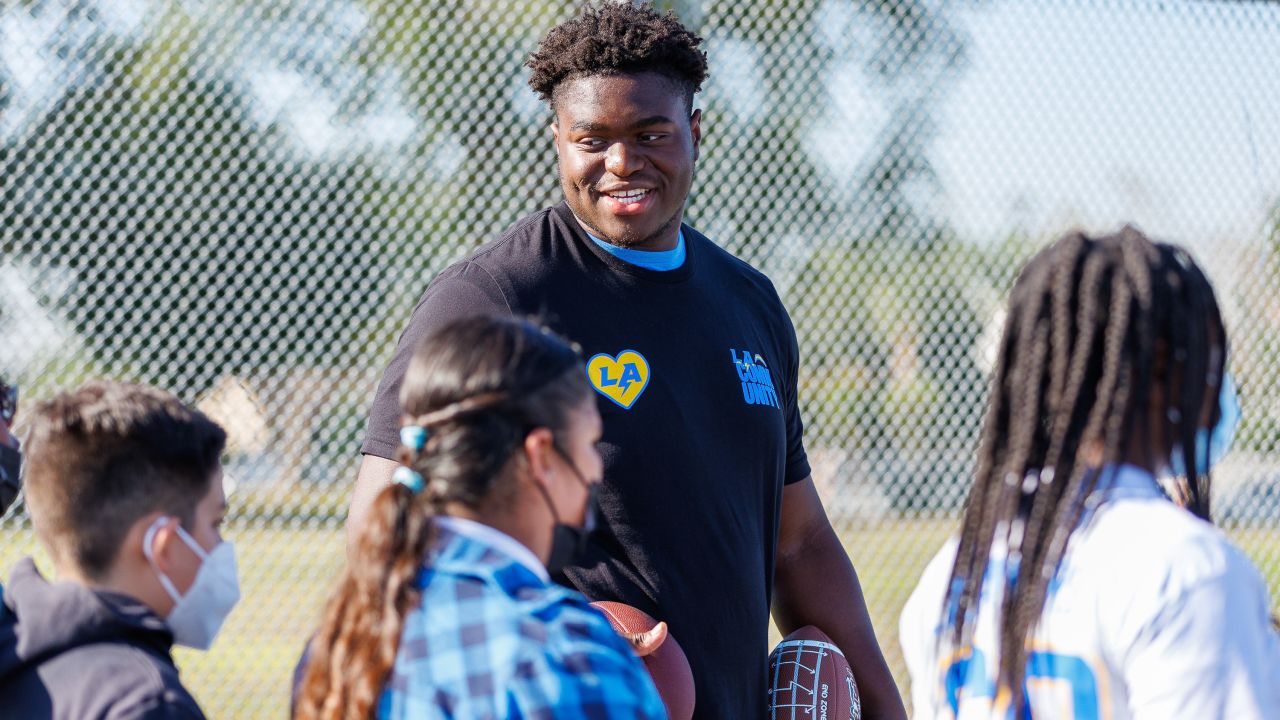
<point>464,290</point>
<point>375,474</point>
<point>815,584</point>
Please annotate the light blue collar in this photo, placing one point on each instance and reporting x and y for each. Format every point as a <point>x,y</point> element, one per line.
<point>496,539</point>
<point>1128,480</point>
<point>1120,482</point>
<point>660,260</point>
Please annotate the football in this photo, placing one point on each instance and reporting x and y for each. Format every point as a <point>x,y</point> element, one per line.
<point>667,665</point>
<point>809,679</point>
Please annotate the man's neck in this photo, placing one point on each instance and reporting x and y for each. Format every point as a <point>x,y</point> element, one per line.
<point>662,241</point>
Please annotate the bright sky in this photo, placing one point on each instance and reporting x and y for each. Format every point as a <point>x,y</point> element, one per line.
<point>1096,115</point>
<point>1069,112</point>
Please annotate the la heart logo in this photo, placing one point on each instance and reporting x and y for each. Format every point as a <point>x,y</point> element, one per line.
<point>621,379</point>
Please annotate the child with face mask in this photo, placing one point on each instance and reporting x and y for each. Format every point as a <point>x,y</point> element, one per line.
<point>446,608</point>
<point>124,487</point>
<point>1076,589</point>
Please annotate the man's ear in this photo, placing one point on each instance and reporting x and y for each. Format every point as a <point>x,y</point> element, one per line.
<point>537,453</point>
<point>555,134</point>
<point>695,130</point>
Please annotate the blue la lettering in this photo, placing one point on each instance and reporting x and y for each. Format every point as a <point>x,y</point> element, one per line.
<point>760,374</point>
<point>757,381</point>
<point>630,374</point>
<point>757,394</point>
<point>605,380</point>
<point>742,365</point>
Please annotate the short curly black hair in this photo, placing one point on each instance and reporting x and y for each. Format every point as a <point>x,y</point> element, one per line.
<point>617,38</point>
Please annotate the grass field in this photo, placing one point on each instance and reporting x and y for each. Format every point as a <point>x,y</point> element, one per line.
<point>286,572</point>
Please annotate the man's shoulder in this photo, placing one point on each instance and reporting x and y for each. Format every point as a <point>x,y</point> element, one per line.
<point>721,262</point>
<point>722,258</point>
<point>529,236</point>
<point>524,255</point>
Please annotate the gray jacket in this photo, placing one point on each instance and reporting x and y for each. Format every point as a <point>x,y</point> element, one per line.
<point>71,653</point>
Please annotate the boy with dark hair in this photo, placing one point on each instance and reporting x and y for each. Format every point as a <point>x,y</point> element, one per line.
<point>124,488</point>
<point>710,516</point>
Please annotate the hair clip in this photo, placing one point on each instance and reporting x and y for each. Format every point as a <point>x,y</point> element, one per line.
<point>408,478</point>
<point>413,437</point>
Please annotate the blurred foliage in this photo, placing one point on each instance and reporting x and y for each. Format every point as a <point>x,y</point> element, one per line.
<point>1256,354</point>
<point>260,191</point>
<point>240,246</point>
<point>242,201</point>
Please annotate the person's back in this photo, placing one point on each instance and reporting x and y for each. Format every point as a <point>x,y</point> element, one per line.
<point>490,638</point>
<point>1076,588</point>
<point>447,608</point>
<point>123,484</point>
<point>1147,597</point>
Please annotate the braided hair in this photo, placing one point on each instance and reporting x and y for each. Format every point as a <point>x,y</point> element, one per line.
<point>473,391</point>
<point>1095,326</point>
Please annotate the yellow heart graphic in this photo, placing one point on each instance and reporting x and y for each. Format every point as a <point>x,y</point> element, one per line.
<point>621,379</point>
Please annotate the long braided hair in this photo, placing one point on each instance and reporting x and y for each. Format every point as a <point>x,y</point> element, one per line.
<point>1094,325</point>
<point>477,388</point>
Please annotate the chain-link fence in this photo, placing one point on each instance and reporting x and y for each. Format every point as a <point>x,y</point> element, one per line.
<point>241,201</point>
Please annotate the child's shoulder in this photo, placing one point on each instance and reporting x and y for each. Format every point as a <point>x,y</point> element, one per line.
<point>1159,544</point>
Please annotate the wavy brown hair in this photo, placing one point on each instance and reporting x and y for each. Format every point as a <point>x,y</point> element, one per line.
<point>478,386</point>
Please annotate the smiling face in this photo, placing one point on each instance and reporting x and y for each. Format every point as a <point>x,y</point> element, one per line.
<point>626,147</point>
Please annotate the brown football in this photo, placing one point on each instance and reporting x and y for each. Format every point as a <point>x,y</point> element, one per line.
<point>809,679</point>
<point>667,665</point>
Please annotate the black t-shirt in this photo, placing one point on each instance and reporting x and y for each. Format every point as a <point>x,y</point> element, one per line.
<point>695,370</point>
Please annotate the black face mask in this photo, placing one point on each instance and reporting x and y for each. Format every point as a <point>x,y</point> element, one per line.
<point>10,480</point>
<point>569,542</point>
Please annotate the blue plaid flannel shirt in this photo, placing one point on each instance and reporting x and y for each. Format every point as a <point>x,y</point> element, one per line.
<point>492,640</point>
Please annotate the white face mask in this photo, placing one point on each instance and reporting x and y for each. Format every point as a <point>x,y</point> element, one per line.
<point>197,616</point>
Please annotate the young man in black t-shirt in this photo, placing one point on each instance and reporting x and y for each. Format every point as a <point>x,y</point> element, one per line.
<point>710,515</point>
